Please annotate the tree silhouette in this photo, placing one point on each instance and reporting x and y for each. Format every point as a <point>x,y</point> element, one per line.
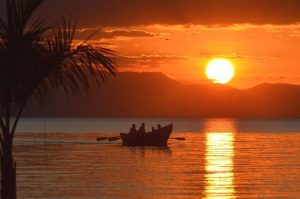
<point>34,58</point>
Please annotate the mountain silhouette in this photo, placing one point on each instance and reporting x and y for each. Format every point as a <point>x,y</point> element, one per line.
<point>155,95</point>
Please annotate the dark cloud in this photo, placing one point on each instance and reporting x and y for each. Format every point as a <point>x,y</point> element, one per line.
<point>85,33</point>
<point>148,60</point>
<point>96,13</point>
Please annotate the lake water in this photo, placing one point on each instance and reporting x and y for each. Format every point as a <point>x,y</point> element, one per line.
<point>220,158</point>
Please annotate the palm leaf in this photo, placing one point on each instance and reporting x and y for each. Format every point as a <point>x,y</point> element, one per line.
<point>74,66</point>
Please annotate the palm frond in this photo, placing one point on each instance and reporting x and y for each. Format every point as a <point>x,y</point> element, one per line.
<point>3,29</point>
<point>35,61</point>
<point>20,11</point>
<point>75,65</point>
<point>37,30</point>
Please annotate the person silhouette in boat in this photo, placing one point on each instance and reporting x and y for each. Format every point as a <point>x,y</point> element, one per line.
<point>153,129</point>
<point>132,129</point>
<point>142,129</point>
<point>158,127</point>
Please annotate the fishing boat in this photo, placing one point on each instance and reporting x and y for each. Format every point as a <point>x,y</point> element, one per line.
<point>158,137</point>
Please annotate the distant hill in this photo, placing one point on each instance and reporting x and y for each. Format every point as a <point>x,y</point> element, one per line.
<point>156,95</point>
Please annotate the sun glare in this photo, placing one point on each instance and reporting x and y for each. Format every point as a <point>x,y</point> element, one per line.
<point>220,71</point>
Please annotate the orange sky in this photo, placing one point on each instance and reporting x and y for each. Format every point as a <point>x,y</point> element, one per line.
<point>260,53</point>
<point>178,38</point>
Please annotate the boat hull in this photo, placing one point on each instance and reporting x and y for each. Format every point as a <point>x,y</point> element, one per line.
<point>157,138</point>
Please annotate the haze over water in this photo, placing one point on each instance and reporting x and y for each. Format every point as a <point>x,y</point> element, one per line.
<point>221,158</point>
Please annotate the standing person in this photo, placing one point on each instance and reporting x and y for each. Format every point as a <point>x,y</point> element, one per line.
<point>132,129</point>
<point>142,129</point>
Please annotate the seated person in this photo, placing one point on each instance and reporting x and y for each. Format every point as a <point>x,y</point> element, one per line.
<point>142,129</point>
<point>158,126</point>
<point>132,129</point>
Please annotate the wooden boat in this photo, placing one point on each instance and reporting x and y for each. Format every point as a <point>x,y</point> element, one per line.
<point>157,138</point>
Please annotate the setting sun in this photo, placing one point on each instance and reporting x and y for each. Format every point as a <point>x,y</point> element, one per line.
<point>220,71</point>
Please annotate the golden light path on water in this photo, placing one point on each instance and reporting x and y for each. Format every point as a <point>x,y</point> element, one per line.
<point>219,156</point>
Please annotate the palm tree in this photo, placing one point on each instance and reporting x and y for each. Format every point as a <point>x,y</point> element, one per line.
<point>34,58</point>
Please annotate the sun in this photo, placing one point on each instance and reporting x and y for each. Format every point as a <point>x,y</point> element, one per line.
<point>219,71</point>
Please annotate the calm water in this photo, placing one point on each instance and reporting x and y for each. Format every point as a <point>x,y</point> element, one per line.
<point>221,158</point>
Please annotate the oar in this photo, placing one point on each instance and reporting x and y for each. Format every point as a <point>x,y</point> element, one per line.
<point>102,138</point>
<point>179,138</point>
<point>108,138</point>
<point>114,138</point>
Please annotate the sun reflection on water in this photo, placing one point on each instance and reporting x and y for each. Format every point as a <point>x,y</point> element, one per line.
<point>219,164</point>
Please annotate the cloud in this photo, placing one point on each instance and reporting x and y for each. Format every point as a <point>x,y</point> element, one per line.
<point>111,34</point>
<point>95,13</point>
<point>148,61</point>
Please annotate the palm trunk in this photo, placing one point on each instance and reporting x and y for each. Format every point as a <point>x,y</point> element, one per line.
<point>8,171</point>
